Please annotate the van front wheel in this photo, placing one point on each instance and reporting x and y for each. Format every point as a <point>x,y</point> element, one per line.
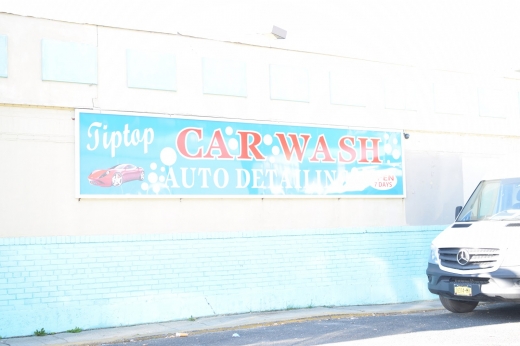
<point>458,306</point>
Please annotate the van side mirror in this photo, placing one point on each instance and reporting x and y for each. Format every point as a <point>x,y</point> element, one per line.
<point>457,211</point>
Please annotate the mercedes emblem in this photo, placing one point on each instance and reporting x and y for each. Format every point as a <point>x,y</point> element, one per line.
<point>463,257</point>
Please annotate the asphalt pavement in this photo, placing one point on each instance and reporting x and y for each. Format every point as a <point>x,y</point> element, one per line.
<point>217,324</point>
<point>489,324</point>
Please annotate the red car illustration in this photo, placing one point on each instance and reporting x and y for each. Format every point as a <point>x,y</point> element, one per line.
<point>115,176</point>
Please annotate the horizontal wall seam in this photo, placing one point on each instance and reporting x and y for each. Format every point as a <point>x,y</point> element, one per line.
<point>29,105</point>
<point>211,236</point>
<point>295,50</point>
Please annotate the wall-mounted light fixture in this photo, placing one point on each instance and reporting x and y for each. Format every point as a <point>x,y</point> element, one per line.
<point>279,33</point>
<point>406,135</point>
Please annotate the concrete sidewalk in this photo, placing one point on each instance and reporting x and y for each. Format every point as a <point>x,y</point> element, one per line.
<point>214,323</point>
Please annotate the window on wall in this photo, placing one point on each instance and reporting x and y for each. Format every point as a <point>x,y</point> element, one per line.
<point>224,77</point>
<point>400,89</point>
<point>3,56</point>
<point>69,62</point>
<point>151,70</point>
<point>497,103</point>
<point>451,92</point>
<point>398,95</point>
<point>289,83</point>
<point>450,98</point>
<point>348,88</point>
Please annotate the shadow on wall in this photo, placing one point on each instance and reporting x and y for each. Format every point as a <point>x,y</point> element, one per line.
<point>434,187</point>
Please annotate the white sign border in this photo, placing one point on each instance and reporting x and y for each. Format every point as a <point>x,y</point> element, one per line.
<point>78,195</point>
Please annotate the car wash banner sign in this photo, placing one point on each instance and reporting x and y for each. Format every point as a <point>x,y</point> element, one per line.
<point>125,155</point>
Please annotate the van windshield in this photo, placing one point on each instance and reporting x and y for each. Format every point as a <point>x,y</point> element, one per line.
<point>493,200</point>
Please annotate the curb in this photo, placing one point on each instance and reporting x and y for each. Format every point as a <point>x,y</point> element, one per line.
<point>213,324</point>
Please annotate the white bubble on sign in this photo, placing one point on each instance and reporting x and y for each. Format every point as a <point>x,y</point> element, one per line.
<point>152,178</point>
<point>229,130</point>
<point>268,140</point>
<point>388,148</point>
<point>144,186</point>
<point>395,140</point>
<point>396,154</point>
<point>156,188</point>
<point>153,166</point>
<point>162,169</point>
<point>233,144</point>
<point>168,156</point>
<point>275,150</point>
<point>162,178</point>
<point>272,159</point>
<point>386,136</point>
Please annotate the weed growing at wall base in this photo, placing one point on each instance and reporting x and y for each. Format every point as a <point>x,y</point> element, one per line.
<point>40,332</point>
<point>75,330</point>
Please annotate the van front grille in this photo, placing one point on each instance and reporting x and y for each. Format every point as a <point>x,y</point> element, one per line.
<point>478,258</point>
<point>480,281</point>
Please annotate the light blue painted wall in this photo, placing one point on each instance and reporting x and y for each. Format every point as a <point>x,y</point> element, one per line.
<point>3,56</point>
<point>289,83</point>
<point>151,70</point>
<point>58,283</point>
<point>69,62</point>
<point>224,77</point>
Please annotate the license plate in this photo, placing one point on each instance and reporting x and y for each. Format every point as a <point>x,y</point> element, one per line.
<point>462,290</point>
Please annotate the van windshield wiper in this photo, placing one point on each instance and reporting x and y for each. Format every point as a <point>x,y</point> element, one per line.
<point>505,215</point>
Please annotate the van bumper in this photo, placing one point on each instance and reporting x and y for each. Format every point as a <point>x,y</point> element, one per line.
<point>501,285</point>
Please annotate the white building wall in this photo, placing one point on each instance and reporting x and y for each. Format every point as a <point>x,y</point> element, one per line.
<point>451,145</point>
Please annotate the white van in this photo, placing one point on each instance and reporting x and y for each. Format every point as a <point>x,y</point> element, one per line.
<point>477,258</point>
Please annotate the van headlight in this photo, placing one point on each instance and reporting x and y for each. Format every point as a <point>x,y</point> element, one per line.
<point>434,255</point>
<point>511,258</point>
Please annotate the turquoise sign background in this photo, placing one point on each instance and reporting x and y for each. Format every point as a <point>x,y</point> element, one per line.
<point>123,155</point>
